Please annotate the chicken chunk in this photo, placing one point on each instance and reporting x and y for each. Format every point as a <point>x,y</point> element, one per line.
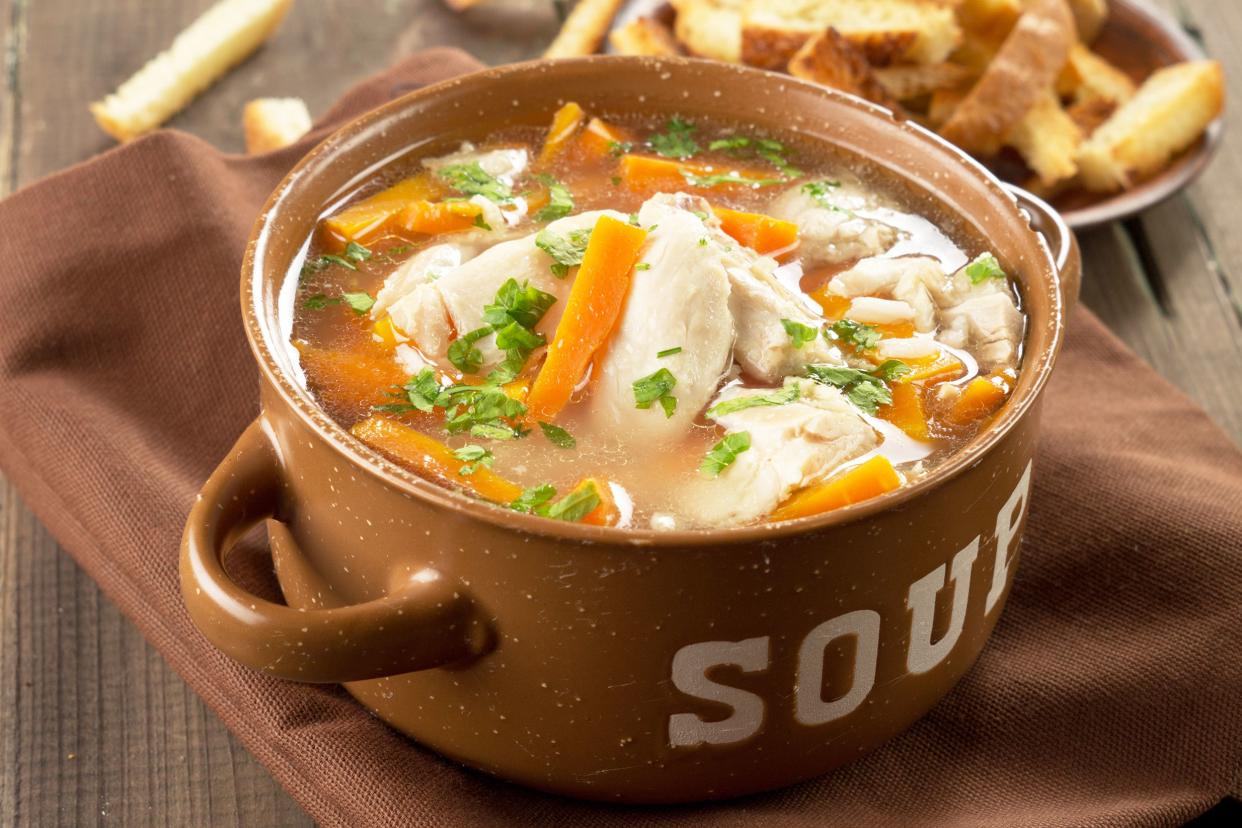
<point>829,228</point>
<point>907,279</point>
<point>989,325</point>
<point>679,297</point>
<point>433,313</point>
<point>791,446</point>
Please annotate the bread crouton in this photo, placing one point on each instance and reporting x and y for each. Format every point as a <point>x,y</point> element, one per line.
<point>830,59</point>
<point>1047,139</point>
<point>644,36</point>
<point>1088,75</point>
<point>1089,17</point>
<point>272,123</point>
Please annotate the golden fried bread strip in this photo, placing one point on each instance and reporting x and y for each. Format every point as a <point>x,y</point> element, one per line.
<point>1025,67</point>
<point>830,59</point>
<point>644,36</point>
<point>1167,114</point>
<point>584,29</point>
<point>272,123</point>
<point>1089,17</point>
<point>1088,75</point>
<point>224,36</point>
<point>1047,139</point>
<point>911,81</point>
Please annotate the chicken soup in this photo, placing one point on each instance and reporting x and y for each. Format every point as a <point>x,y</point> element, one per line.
<point>665,324</point>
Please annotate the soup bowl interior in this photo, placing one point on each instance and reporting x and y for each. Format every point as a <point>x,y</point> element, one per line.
<point>622,664</point>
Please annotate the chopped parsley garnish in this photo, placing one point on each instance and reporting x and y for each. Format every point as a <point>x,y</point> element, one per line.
<point>522,303</point>
<point>565,249</point>
<point>320,301</point>
<point>479,221</point>
<point>557,436</point>
<point>619,148</point>
<point>799,333</point>
<point>785,396</point>
<point>862,337</point>
<point>472,179</point>
<point>668,352</point>
<point>462,352</point>
<point>532,500</point>
<point>868,391</point>
<point>654,388</point>
<point>356,252</point>
<point>498,431</point>
<point>576,505</point>
<point>891,369</point>
<point>676,141</point>
<point>360,301</point>
<point>484,411</point>
<point>819,192</point>
<point>703,242</point>
<point>399,250</point>
<point>318,263</point>
<point>422,392</point>
<point>769,150</point>
<point>560,201</point>
<point>729,178</point>
<point>473,457</point>
<point>983,268</point>
<point>643,266</point>
<point>616,180</point>
<point>722,455</point>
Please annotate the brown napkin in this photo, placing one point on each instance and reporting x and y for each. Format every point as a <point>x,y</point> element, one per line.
<point>1111,693</point>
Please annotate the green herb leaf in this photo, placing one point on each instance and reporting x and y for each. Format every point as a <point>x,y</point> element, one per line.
<point>656,387</point>
<point>676,141</point>
<point>532,500</point>
<point>472,179</point>
<point>891,369</point>
<point>729,178</point>
<point>473,457</point>
<point>318,263</point>
<point>565,249</point>
<point>576,505</point>
<point>643,266</point>
<point>319,301</point>
<point>463,354</point>
<point>619,148</point>
<point>481,222</point>
<point>862,337</point>
<point>722,455</point>
<point>423,390</point>
<point>361,301</point>
<point>496,431</point>
<point>355,252</point>
<point>668,352</point>
<point>560,200</point>
<point>791,393</point>
<point>984,267</point>
<point>799,333</point>
<point>819,191</point>
<point>867,391</point>
<point>769,150</point>
<point>520,303</point>
<point>558,436</point>
<point>516,337</point>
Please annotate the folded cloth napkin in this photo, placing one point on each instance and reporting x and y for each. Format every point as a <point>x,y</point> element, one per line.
<point>1111,693</point>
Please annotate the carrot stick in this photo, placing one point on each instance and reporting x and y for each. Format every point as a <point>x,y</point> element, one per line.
<point>757,231</point>
<point>979,398</point>
<point>834,306</point>
<point>433,217</point>
<point>642,173</point>
<point>564,124</point>
<point>360,221</point>
<point>895,330</point>
<point>428,455</point>
<point>600,138</point>
<point>931,370</point>
<point>591,311</point>
<point>862,482</point>
<point>351,380</point>
<point>906,410</point>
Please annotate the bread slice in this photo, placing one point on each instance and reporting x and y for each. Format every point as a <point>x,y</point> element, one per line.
<point>830,59</point>
<point>1091,113</point>
<point>916,31</point>
<point>272,123</point>
<point>1027,65</point>
<point>989,20</point>
<point>710,28</point>
<point>1047,139</point>
<point>584,29</point>
<point>644,36</point>
<point>1088,75</point>
<point>1167,114</point>
<point>909,81</point>
<point>221,38</point>
<point>1089,17</point>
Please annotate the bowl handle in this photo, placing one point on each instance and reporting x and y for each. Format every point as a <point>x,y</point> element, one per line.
<point>1062,243</point>
<point>429,620</point>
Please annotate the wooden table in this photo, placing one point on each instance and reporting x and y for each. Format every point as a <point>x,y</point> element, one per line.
<point>94,726</point>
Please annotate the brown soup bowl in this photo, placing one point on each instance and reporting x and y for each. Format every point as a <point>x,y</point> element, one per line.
<point>621,664</point>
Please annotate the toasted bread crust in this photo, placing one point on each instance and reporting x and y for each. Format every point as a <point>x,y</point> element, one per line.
<point>906,81</point>
<point>1027,64</point>
<point>584,29</point>
<point>273,123</point>
<point>830,59</point>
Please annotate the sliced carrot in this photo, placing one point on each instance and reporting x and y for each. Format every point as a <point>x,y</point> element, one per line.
<point>895,330</point>
<point>906,410</point>
<point>606,513</point>
<point>934,369</point>
<point>595,302</point>
<point>537,199</point>
<point>600,138</point>
<point>564,124</point>
<point>428,455</point>
<point>642,173</point>
<point>862,482</point>
<point>351,380</point>
<point>834,306</point>
<point>433,217</point>
<point>518,390</point>
<point>757,231</point>
<point>385,332</point>
<point>361,221</point>
<point>980,397</point>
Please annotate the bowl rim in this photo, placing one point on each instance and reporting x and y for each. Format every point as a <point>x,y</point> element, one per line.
<point>294,395</point>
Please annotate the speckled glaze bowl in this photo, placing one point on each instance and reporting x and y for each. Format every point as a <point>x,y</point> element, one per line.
<point>623,665</point>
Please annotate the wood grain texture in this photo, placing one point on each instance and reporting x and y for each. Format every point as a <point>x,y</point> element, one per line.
<point>94,727</point>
